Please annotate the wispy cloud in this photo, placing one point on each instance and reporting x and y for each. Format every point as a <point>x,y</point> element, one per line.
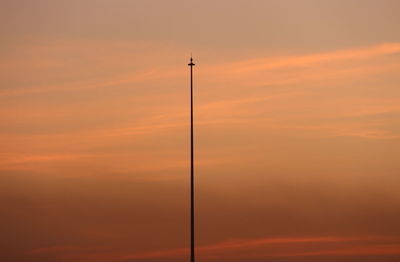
<point>362,53</point>
<point>368,249</point>
<point>250,248</point>
<point>218,72</point>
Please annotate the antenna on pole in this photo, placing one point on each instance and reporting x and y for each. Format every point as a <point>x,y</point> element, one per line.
<point>192,231</point>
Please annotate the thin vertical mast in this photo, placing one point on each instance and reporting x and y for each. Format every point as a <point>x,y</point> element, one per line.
<point>191,165</point>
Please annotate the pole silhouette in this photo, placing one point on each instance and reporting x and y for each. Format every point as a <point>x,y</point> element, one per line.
<point>192,253</point>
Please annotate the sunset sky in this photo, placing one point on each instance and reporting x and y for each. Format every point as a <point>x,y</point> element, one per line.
<point>297,130</point>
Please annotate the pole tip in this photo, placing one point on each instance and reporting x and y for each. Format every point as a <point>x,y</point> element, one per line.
<point>191,60</point>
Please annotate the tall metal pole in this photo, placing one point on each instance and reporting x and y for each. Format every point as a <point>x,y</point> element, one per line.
<point>191,64</point>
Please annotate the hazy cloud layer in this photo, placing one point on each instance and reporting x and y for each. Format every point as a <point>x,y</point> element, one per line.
<point>297,132</point>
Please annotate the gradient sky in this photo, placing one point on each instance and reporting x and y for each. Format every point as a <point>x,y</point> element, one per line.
<point>297,130</point>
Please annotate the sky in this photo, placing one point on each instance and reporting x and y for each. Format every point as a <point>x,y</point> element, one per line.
<point>297,131</point>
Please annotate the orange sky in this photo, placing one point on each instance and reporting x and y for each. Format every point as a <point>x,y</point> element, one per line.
<point>297,130</point>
